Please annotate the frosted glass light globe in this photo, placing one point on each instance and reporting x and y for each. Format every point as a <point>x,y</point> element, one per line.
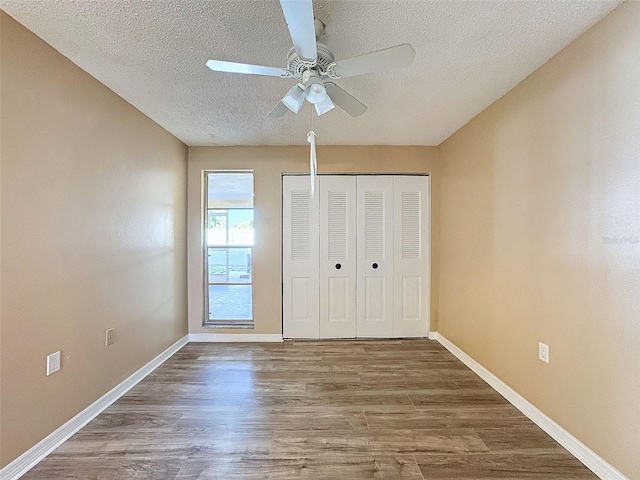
<point>316,92</point>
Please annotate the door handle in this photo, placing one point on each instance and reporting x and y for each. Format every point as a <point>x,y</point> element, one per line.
<point>374,266</point>
<point>338,266</point>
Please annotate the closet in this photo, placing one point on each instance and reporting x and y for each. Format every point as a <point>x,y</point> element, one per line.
<point>355,259</point>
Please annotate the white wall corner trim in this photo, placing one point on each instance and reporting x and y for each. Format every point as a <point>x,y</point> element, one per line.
<point>39,451</point>
<point>588,457</point>
<point>433,336</point>
<point>235,337</point>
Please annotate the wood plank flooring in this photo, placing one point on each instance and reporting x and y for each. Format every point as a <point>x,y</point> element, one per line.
<point>395,409</point>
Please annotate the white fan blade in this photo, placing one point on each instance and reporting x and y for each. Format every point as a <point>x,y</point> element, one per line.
<point>279,110</point>
<point>345,100</point>
<point>379,61</point>
<point>231,67</point>
<point>299,17</point>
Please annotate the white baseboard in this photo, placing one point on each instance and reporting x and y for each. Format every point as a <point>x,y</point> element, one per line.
<point>235,337</point>
<point>591,460</point>
<point>39,451</point>
<point>433,336</point>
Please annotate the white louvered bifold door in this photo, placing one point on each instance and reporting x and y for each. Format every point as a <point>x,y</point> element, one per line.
<point>299,258</point>
<point>411,256</point>
<point>337,256</point>
<point>375,256</point>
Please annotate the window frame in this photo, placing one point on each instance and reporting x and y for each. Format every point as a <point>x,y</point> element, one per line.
<point>224,323</point>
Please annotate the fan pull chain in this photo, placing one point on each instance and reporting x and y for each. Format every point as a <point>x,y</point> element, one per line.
<point>313,165</point>
<point>311,138</point>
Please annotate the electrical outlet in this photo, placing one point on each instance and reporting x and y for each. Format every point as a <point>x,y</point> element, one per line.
<point>110,337</point>
<point>543,352</point>
<point>53,363</point>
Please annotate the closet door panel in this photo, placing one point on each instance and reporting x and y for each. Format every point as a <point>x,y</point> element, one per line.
<point>411,256</point>
<point>337,256</point>
<point>375,256</point>
<point>300,269</point>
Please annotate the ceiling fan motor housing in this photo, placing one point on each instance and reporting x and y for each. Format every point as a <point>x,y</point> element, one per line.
<point>297,66</point>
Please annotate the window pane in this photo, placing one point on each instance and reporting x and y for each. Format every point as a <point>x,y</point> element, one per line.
<point>230,190</point>
<point>230,265</point>
<point>217,227</point>
<point>230,302</point>
<point>241,227</point>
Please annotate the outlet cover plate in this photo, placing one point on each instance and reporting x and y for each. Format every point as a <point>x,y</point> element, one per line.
<point>110,337</point>
<point>53,363</point>
<point>543,352</point>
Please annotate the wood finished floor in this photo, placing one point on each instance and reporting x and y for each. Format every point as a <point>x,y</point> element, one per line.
<point>396,409</point>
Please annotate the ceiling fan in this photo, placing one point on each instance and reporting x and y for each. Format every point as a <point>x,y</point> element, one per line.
<point>313,65</point>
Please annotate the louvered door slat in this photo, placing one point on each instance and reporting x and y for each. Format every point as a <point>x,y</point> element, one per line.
<point>300,225</point>
<point>374,217</point>
<point>337,225</point>
<point>411,219</point>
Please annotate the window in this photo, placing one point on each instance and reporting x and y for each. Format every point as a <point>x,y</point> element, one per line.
<point>228,243</point>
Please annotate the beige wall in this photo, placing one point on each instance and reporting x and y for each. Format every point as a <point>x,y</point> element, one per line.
<point>268,164</point>
<point>93,237</point>
<point>540,238</point>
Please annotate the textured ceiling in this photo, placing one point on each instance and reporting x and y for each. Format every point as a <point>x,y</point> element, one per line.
<point>153,54</point>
